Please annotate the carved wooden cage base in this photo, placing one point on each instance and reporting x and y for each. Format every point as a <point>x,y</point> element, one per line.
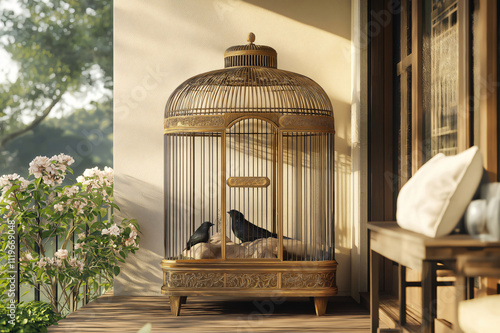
<point>259,279</point>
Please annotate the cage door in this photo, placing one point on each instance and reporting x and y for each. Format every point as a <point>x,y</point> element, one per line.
<point>251,176</point>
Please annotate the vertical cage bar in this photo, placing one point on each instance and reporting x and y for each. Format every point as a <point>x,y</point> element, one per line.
<point>280,193</point>
<point>223,193</point>
<point>263,158</point>
<point>166,178</point>
<point>274,180</point>
<point>193,184</point>
<point>184,199</point>
<point>332,187</point>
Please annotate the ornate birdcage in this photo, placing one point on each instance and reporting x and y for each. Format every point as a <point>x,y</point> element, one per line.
<point>249,183</point>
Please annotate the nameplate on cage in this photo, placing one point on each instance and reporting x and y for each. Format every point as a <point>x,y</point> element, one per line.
<point>248,182</point>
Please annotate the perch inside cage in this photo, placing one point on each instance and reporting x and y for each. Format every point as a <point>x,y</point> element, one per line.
<point>249,192</point>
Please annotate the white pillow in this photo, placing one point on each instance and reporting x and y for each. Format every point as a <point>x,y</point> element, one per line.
<point>480,315</point>
<point>435,198</point>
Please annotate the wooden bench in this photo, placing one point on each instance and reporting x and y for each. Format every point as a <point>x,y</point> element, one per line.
<point>420,253</point>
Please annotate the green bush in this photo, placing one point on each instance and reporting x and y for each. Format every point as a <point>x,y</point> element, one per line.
<point>31,317</point>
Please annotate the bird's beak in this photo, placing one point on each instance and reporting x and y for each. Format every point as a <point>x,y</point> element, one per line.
<point>229,212</point>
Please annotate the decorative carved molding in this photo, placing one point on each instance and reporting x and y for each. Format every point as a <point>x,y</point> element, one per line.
<point>194,280</point>
<point>194,121</point>
<point>248,182</point>
<point>252,280</point>
<point>308,280</point>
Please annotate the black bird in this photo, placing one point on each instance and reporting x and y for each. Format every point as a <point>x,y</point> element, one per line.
<point>201,235</point>
<point>247,231</point>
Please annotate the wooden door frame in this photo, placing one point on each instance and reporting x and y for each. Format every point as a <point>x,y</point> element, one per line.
<point>380,99</point>
<point>381,146</point>
<point>381,173</point>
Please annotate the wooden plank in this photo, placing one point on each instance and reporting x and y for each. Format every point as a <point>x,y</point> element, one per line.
<point>488,136</point>
<point>129,313</point>
<point>410,248</point>
<point>389,315</point>
<point>400,247</point>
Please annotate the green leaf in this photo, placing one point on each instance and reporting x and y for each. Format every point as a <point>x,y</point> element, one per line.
<point>116,270</point>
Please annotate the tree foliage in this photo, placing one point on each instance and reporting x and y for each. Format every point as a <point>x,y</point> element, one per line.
<point>86,134</point>
<point>61,47</point>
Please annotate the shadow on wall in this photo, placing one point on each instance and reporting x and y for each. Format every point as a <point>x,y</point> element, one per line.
<point>142,274</point>
<point>343,198</point>
<point>317,13</point>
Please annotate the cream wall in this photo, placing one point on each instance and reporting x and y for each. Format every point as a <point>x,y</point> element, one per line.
<point>161,43</point>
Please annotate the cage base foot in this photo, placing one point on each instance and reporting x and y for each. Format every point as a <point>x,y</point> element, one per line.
<point>320,304</point>
<point>175,305</point>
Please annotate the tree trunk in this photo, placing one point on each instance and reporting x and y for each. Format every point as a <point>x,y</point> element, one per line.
<point>53,294</point>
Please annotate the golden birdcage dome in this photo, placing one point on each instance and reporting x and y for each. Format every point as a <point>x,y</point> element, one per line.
<point>249,83</point>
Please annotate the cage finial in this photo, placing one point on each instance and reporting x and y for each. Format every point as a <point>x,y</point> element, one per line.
<point>251,38</point>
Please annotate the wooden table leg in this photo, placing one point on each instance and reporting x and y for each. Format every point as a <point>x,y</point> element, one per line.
<point>460,295</point>
<point>470,288</point>
<point>429,296</point>
<point>402,294</point>
<point>374,292</point>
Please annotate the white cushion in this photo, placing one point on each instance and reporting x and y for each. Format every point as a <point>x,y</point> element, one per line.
<point>480,315</point>
<point>435,198</point>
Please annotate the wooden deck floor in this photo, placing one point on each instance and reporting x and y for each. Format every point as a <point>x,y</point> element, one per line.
<point>129,314</point>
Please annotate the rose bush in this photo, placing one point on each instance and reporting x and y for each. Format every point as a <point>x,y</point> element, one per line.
<point>70,243</point>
